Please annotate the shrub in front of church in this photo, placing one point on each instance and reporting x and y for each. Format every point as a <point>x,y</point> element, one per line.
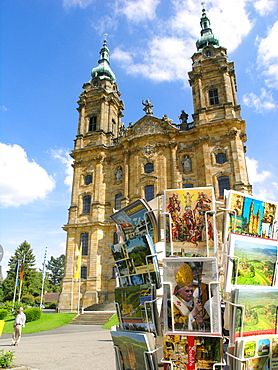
<point>32,314</point>
<point>28,299</point>
<point>3,313</point>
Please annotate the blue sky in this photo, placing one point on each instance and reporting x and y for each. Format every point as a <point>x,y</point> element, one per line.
<point>48,49</point>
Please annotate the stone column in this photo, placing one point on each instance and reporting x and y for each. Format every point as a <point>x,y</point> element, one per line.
<point>173,149</point>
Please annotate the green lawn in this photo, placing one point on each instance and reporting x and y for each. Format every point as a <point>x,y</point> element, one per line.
<point>111,322</point>
<point>46,322</point>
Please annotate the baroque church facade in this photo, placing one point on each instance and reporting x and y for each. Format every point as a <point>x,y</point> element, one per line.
<point>115,165</point>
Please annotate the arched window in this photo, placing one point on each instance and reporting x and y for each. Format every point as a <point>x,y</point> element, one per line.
<point>87,204</point>
<point>88,179</point>
<point>223,183</point>
<point>221,158</point>
<point>92,124</point>
<point>149,192</point>
<point>149,167</point>
<point>187,185</point>
<point>84,242</point>
<point>83,273</point>
<point>118,198</point>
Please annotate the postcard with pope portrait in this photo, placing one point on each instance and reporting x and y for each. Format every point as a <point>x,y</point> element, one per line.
<point>191,295</point>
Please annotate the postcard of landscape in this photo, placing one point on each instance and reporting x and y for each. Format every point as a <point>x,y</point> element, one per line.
<point>132,347</point>
<point>251,261</point>
<point>135,314</point>
<point>258,314</point>
<point>189,225</point>
<point>135,220</point>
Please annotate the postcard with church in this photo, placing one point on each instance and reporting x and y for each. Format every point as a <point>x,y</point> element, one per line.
<point>250,216</point>
<point>132,350</point>
<point>193,352</point>
<point>136,219</point>
<point>251,261</point>
<point>191,296</point>
<point>189,222</point>
<point>137,309</point>
<point>255,311</point>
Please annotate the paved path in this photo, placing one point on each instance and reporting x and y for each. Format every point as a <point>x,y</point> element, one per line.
<point>70,347</point>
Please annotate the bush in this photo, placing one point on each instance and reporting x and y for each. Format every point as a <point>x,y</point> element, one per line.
<point>32,314</point>
<point>52,305</point>
<point>8,305</point>
<point>28,299</point>
<point>6,359</point>
<point>38,300</point>
<point>3,313</point>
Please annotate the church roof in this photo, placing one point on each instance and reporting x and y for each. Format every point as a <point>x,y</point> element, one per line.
<point>103,70</point>
<point>207,37</point>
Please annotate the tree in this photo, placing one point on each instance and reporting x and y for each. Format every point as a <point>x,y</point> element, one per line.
<point>55,269</point>
<point>31,283</point>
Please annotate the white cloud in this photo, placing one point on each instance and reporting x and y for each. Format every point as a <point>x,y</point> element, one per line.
<point>22,181</point>
<point>262,103</point>
<point>154,60</point>
<point>75,3</point>
<point>230,21</point>
<point>268,56</point>
<point>63,156</point>
<point>254,176</point>
<point>264,7</point>
<point>263,187</point>
<point>3,108</point>
<point>138,10</point>
<point>166,53</point>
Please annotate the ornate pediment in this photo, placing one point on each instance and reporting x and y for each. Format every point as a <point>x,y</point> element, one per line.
<point>149,125</point>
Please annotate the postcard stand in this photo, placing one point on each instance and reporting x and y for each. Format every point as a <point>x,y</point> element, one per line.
<point>275,279</point>
<point>119,314</point>
<point>150,363</point>
<point>146,311</point>
<point>118,358</point>
<point>234,315</point>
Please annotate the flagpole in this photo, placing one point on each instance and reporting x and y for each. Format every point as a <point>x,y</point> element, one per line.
<point>15,284</point>
<point>43,275</point>
<point>21,278</point>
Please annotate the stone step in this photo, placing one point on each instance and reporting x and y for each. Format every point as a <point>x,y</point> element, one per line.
<point>93,318</point>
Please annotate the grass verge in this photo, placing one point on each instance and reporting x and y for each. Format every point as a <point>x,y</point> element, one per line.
<point>111,322</point>
<point>46,322</point>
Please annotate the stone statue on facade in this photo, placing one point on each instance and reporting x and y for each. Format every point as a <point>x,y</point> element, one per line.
<point>186,164</point>
<point>121,129</point>
<point>119,174</point>
<point>148,106</point>
<point>183,117</point>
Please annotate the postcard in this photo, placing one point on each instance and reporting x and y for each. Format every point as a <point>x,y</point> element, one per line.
<point>251,261</point>
<point>191,295</point>
<point>136,258</point>
<point>257,351</point>
<point>133,348</point>
<point>135,220</point>
<point>134,311</point>
<point>250,216</point>
<point>189,222</point>
<point>192,352</point>
<point>255,312</point>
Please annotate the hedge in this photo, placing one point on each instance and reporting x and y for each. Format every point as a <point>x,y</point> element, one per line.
<point>32,314</point>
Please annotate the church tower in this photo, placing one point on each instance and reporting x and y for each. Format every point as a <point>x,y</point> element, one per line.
<point>115,165</point>
<point>217,114</point>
